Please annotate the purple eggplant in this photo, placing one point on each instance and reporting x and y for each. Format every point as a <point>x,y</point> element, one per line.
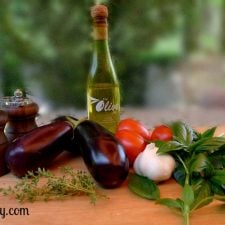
<point>39,147</point>
<point>103,155</point>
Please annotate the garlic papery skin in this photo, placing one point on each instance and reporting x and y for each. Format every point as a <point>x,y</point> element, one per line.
<point>154,166</point>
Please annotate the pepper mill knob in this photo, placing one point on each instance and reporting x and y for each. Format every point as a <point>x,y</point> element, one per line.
<point>18,94</point>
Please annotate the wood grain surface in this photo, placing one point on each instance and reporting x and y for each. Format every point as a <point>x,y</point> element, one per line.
<point>121,208</point>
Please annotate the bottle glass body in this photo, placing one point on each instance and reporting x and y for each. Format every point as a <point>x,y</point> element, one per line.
<point>103,94</point>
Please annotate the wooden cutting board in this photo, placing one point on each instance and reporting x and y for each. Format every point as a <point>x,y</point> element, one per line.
<point>121,208</point>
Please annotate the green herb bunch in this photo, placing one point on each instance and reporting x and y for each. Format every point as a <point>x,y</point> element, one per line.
<point>44,185</point>
<point>200,169</point>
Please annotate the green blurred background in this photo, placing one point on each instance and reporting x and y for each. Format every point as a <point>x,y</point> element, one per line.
<point>166,52</point>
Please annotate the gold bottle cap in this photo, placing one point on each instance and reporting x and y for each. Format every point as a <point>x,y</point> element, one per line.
<point>99,11</point>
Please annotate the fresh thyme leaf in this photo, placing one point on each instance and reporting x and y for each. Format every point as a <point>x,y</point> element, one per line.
<point>44,185</point>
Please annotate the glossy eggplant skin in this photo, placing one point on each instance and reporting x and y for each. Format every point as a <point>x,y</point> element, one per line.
<point>38,147</point>
<point>103,155</point>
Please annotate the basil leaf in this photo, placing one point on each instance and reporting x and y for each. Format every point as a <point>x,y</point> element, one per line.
<point>217,189</point>
<point>217,158</point>
<point>203,202</point>
<point>170,146</point>
<point>200,163</point>
<point>143,187</point>
<point>208,144</point>
<point>203,194</point>
<point>208,133</point>
<point>218,161</point>
<point>179,174</point>
<point>183,133</point>
<point>220,197</point>
<point>171,203</point>
<point>218,177</point>
<point>188,195</point>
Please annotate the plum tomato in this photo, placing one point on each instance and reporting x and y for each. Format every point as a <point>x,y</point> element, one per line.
<point>161,133</point>
<point>133,126</point>
<point>132,142</point>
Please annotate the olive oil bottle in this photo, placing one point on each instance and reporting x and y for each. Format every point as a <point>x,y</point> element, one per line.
<point>103,94</point>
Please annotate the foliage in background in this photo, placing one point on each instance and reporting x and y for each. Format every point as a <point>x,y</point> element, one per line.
<point>48,43</point>
<point>223,25</point>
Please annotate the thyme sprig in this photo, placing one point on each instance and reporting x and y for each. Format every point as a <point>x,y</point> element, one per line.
<point>44,185</point>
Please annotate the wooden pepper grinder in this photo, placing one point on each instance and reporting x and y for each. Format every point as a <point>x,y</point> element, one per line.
<point>3,143</point>
<point>21,114</point>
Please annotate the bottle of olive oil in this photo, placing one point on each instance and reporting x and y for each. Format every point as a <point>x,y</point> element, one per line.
<point>103,94</point>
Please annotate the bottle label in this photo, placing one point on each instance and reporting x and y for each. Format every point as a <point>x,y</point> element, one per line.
<point>104,105</point>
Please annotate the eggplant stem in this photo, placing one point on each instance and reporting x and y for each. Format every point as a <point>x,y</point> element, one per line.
<point>73,121</point>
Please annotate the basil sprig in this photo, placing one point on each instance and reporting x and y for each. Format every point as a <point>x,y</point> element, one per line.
<point>200,169</point>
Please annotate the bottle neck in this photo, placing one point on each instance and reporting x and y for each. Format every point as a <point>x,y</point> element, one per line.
<point>101,47</point>
<point>102,65</point>
<point>100,32</point>
<point>100,25</point>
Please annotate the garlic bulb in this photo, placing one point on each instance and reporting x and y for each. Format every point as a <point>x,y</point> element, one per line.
<point>154,166</point>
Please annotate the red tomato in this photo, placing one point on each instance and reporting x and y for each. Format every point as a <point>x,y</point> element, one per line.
<point>132,142</point>
<point>133,126</point>
<point>149,134</point>
<point>162,133</point>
